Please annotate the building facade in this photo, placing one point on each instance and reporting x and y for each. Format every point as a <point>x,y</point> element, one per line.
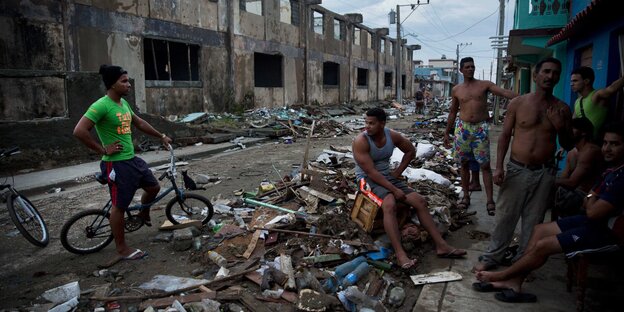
<point>190,55</point>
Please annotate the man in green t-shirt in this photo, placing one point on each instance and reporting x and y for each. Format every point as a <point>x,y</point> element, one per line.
<point>591,103</point>
<point>112,118</point>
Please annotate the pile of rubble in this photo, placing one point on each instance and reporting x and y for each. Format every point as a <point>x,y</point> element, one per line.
<point>295,242</point>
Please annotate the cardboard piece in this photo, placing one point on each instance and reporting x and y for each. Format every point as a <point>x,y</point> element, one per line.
<point>437,277</point>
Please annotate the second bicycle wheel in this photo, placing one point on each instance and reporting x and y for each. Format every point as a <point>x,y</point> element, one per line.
<point>28,220</point>
<point>87,232</point>
<point>192,207</point>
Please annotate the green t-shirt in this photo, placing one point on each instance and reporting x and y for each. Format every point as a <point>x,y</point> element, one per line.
<point>597,114</point>
<point>113,122</point>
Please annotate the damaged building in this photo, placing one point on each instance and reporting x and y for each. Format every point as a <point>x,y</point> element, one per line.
<point>186,56</point>
<point>183,56</point>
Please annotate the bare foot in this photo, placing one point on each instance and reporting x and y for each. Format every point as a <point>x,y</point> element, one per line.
<point>450,252</point>
<point>405,262</point>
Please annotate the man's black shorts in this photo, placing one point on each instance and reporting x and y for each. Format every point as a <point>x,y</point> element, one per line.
<point>125,177</point>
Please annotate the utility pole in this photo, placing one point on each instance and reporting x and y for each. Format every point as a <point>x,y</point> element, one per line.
<point>499,57</point>
<point>457,58</point>
<point>397,56</point>
<point>398,51</point>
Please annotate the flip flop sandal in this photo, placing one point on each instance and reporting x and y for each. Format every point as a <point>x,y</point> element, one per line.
<point>510,295</point>
<point>464,203</point>
<point>454,254</point>
<point>486,287</point>
<point>491,208</point>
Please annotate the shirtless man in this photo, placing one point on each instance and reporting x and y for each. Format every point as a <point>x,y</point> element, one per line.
<point>372,150</point>
<point>472,140</point>
<point>583,166</point>
<point>535,120</point>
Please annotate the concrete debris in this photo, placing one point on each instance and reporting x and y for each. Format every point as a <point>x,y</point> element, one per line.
<point>62,293</point>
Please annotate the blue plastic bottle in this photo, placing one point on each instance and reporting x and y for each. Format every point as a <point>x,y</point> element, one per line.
<point>357,274</point>
<point>347,267</point>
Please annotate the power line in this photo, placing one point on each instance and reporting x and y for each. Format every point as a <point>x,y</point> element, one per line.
<point>467,29</point>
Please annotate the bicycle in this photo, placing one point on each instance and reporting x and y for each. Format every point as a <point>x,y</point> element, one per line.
<point>89,231</point>
<point>23,213</point>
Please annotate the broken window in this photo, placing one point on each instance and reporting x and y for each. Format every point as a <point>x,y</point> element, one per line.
<point>367,39</point>
<point>362,77</point>
<point>382,45</point>
<point>403,82</point>
<point>251,6</point>
<point>388,79</point>
<point>169,60</point>
<point>285,11</point>
<point>339,29</point>
<point>356,35</point>
<point>294,9</point>
<point>317,18</point>
<point>392,48</point>
<point>331,73</point>
<point>268,70</point>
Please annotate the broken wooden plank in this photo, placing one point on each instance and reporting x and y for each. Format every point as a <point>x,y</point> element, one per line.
<point>315,193</point>
<point>167,225</point>
<point>165,302</point>
<point>253,304</point>
<point>252,244</point>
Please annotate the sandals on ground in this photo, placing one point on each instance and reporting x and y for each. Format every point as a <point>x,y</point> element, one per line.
<point>464,203</point>
<point>491,208</point>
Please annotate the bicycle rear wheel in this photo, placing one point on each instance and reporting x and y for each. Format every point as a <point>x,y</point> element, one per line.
<point>192,207</point>
<point>28,220</point>
<point>87,232</point>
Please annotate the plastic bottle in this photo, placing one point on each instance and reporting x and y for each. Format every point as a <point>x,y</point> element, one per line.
<point>357,274</point>
<point>348,267</point>
<point>217,258</point>
<point>354,295</point>
<point>331,285</point>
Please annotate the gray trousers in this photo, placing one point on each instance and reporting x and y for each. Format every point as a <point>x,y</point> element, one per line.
<point>524,194</point>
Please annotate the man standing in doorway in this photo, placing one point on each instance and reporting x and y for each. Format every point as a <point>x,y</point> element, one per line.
<point>535,120</point>
<point>471,140</point>
<point>591,103</point>
<point>113,118</point>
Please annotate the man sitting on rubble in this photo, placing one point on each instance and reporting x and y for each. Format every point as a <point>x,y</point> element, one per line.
<point>372,150</point>
<point>601,230</point>
<point>583,167</point>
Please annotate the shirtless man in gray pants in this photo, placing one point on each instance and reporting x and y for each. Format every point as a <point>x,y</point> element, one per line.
<point>535,120</point>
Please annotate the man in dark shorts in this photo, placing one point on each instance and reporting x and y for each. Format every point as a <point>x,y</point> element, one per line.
<point>372,150</point>
<point>601,230</point>
<point>112,118</point>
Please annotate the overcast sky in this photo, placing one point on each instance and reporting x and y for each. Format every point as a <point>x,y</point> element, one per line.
<point>439,26</point>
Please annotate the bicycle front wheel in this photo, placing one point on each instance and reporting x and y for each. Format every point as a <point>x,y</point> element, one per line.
<point>28,220</point>
<point>192,207</point>
<point>87,232</point>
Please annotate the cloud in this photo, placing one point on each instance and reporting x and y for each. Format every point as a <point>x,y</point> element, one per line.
<point>437,25</point>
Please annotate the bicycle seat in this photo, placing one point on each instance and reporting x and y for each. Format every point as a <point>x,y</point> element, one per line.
<point>100,178</point>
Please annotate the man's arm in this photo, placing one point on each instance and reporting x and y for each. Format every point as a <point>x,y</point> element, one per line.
<point>362,157</point>
<point>503,141</point>
<point>450,123</point>
<point>570,163</point>
<point>597,208</point>
<point>409,152</point>
<point>583,167</point>
<point>501,92</point>
<point>146,128</point>
<point>601,96</point>
<point>82,133</point>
